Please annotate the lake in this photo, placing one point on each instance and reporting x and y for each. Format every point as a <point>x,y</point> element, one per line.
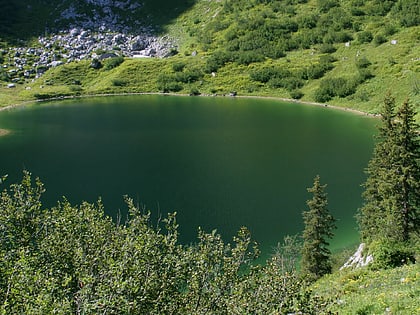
<point>221,163</point>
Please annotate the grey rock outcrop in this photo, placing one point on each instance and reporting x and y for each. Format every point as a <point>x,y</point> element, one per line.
<point>88,36</point>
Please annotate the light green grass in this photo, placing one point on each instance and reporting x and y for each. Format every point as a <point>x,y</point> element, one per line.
<point>363,291</point>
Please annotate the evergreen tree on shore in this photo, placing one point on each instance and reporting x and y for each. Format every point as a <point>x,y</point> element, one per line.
<point>392,190</point>
<point>319,226</point>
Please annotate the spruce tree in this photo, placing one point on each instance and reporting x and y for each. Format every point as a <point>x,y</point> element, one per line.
<point>319,226</point>
<point>408,169</point>
<point>391,196</point>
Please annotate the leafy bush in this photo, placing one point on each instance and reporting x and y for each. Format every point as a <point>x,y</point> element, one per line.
<point>119,82</point>
<point>326,5</point>
<point>86,263</point>
<point>217,60</point>
<point>364,37</point>
<point>266,74</point>
<point>178,66</point>
<point>379,39</point>
<point>188,76</point>
<point>379,7</point>
<point>407,12</point>
<point>390,255</point>
<point>296,94</point>
<point>292,83</point>
<point>76,88</point>
<point>112,63</point>
<point>327,48</point>
<point>364,74</point>
<point>168,83</point>
<point>340,87</point>
<point>248,57</point>
<point>194,92</point>
<point>337,37</point>
<point>362,63</point>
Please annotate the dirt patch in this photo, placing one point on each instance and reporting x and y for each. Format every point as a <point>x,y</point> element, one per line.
<point>4,132</point>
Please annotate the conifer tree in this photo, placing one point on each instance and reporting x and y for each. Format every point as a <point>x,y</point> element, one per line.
<point>408,169</point>
<point>319,226</point>
<point>390,210</point>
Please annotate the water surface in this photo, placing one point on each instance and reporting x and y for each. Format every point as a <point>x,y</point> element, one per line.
<point>221,163</point>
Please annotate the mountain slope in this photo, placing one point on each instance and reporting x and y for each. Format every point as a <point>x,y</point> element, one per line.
<point>347,53</point>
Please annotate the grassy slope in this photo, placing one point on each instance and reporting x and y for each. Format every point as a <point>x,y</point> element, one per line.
<point>396,67</point>
<point>363,291</point>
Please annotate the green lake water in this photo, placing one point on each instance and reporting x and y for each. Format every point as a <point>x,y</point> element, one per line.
<point>221,163</point>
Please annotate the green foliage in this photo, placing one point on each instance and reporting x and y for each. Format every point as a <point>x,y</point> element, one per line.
<point>217,60</point>
<point>330,88</point>
<point>239,37</point>
<point>319,226</point>
<point>111,63</point>
<point>394,290</point>
<point>74,259</point>
<point>407,12</point>
<point>392,190</point>
<point>178,66</point>
<point>364,37</point>
<point>168,83</point>
<point>119,82</point>
<point>296,94</point>
<point>379,39</point>
<point>327,49</point>
<point>389,254</point>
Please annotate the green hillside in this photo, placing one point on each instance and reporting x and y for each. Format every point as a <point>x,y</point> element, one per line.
<point>345,53</point>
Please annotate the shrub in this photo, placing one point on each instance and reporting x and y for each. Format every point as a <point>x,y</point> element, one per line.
<point>364,74</point>
<point>112,63</point>
<point>178,66</point>
<point>326,5</point>
<point>340,87</point>
<point>168,83</point>
<point>390,255</point>
<point>296,94</point>
<point>327,48</point>
<point>248,57</point>
<point>322,95</point>
<point>194,92</point>
<point>362,63</point>
<point>188,76</point>
<point>267,74</point>
<point>217,60</point>
<point>75,88</point>
<point>364,37</point>
<point>293,83</point>
<point>379,39</point>
<point>119,82</point>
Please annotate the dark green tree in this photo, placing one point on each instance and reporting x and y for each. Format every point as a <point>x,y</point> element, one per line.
<point>319,226</point>
<point>408,169</point>
<point>392,195</point>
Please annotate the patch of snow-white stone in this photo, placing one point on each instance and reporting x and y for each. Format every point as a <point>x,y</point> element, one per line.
<point>358,259</point>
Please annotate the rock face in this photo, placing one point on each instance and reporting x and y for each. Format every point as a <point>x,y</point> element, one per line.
<point>106,28</point>
<point>358,259</point>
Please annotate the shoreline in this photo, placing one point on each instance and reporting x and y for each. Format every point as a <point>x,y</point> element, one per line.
<point>4,132</point>
<point>274,98</point>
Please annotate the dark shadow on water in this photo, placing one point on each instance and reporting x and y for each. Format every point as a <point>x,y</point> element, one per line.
<point>23,19</point>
